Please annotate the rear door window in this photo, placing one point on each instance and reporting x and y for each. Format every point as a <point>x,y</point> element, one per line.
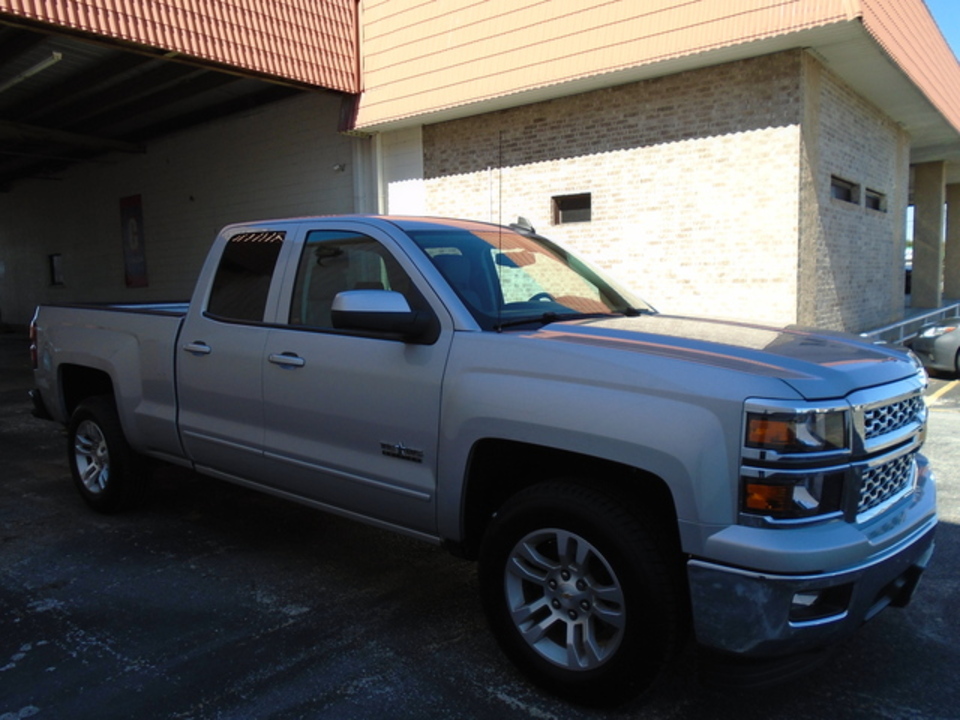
<point>243,278</point>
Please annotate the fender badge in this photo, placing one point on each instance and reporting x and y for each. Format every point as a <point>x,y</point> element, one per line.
<point>401,451</point>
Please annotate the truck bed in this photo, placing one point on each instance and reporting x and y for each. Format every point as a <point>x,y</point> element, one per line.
<point>124,349</point>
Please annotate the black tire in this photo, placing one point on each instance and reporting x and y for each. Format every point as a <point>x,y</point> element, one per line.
<point>583,596</point>
<point>108,474</point>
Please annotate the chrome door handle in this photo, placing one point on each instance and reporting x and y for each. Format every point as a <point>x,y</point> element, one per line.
<point>286,359</point>
<point>197,348</point>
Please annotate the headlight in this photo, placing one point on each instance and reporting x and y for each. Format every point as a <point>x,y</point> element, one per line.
<point>807,432</point>
<point>785,496</point>
<point>794,461</point>
<point>937,330</point>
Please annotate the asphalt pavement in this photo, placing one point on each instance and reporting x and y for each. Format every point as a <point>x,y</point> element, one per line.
<point>214,602</point>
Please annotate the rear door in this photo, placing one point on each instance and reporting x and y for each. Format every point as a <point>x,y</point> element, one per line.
<point>221,355</point>
<point>351,420</point>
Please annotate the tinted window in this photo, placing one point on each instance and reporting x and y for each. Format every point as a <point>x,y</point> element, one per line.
<point>242,282</point>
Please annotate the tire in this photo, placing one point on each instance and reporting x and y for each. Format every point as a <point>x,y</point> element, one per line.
<point>108,474</point>
<point>581,595</point>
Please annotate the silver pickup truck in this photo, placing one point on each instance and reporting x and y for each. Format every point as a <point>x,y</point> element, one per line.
<point>627,480</point>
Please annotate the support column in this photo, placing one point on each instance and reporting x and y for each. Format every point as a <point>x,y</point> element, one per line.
<point>929,195</point>
<point>951,262</point>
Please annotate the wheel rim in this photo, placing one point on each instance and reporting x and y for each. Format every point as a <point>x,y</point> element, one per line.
<point>565,600</point>
<point>92,456</point>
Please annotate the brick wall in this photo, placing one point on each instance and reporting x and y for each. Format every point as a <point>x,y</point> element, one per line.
<point>693,181</point>
<point>702,197</point>
<point>273,162</point>
<point>851,264</point>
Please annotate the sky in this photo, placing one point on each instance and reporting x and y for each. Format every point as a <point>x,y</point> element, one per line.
<point>947,15</point>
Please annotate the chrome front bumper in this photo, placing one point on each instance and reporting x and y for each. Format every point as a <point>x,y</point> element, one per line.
<point>768,614</point>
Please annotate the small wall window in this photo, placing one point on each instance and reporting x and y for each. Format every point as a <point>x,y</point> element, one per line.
<point>571,208</point>
<point>845,190</point>
<point>875,200</point>
<point>55,266</point>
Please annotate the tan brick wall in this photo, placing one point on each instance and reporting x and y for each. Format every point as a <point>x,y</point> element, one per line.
<point>705,187</point>
<point>851,264</point>
<point>693,180</point>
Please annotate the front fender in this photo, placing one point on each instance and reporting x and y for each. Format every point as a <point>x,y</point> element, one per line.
<point>602,406</point>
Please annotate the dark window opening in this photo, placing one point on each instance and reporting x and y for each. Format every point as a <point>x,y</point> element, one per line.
<point>571,208</point>
<point>845,190</point>
<point>875,200</point>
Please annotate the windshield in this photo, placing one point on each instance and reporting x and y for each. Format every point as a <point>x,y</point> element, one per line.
<point>507,278</point>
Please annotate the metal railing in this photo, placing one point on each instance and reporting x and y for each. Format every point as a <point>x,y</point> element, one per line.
<point>900,332</point>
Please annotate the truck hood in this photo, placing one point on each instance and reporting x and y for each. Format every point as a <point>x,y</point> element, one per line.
<point>819,365</point>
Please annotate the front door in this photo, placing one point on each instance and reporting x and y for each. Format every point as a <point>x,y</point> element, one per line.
<point>352,421</point>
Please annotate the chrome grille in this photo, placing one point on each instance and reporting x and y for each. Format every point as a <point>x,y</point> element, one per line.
<point>889,418</point>
<point>883,482</point>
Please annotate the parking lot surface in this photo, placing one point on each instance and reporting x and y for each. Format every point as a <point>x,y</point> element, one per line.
<point>215,602</point>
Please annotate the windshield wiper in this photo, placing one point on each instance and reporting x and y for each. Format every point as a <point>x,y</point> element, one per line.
<point>552,317</point>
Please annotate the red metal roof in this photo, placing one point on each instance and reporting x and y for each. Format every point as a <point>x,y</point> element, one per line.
<point>313,42</point>
<point>908,34</point>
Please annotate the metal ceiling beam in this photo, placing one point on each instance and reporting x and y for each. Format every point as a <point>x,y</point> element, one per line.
<point>214,112</point>
<point>112,98</point>
<point>102,101</point>
<point>155,98</point>
<point>55,98</point>
<point>24,133</point>
<point>48,62</point>
<point>14,43</point>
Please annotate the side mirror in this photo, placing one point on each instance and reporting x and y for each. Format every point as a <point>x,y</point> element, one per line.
<point>383,312</point>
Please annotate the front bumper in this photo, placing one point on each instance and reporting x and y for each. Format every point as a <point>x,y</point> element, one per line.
<point>768,614</point>
<point>762,614</point>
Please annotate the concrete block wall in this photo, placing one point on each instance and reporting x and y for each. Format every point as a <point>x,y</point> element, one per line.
<point>275,161</point>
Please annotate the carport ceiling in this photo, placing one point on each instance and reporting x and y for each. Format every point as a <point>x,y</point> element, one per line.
<point>64,100</point>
